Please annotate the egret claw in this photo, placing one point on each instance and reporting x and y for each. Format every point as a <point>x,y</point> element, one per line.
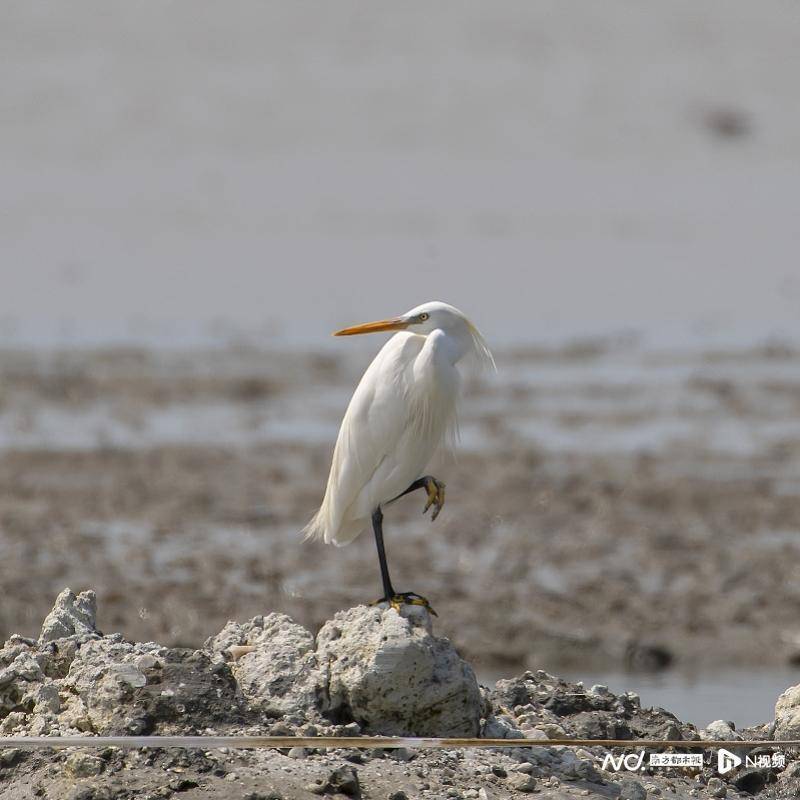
<point>400,599</point>
<point>435,489</point>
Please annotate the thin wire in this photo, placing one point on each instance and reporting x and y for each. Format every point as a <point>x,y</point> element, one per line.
<point>362,742</point>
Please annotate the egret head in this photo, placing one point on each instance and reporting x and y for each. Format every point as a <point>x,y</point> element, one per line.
<point>427,318</point>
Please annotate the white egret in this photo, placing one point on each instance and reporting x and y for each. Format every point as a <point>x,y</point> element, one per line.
<point>402,411</point>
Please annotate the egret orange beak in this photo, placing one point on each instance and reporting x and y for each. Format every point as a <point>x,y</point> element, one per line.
<point>393,324</point>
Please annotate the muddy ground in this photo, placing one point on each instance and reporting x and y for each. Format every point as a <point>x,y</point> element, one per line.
<point>610,505</point>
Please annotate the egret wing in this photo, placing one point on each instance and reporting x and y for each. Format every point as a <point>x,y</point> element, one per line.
<point>376,419</point>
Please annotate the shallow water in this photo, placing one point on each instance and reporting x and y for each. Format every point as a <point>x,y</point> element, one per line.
<point>745,697</point>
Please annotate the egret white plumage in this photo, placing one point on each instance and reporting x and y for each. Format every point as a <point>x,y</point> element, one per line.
<point>402,411</point>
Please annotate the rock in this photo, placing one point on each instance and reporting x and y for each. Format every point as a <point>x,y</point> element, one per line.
<point>716,787</point>
<point>71,615</point>
<point>566,710</point>
<point>389,673</point>
<point>10,756</point>
<point>343,780</point>
<point>787,714</point>
<point>281,674</point>
<point>182,784</point>
<point>520,782</point>
<point>83,765</point>
<point>632,790</point>
<point>183,688</point>
<point>751,781</point>
<point>501,727</point>
<point>722,730</point>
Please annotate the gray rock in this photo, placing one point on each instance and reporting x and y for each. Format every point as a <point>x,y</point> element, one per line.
<point>787,714</point>
<point>716,787</point>
<point>520,782</point>
<point>388,672</point>
<point>281,675</point>
<point>71,615</point>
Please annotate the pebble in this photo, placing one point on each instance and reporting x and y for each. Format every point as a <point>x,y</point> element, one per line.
<point>717,788</point>
<point>297,752</point>
<point>632,790</point>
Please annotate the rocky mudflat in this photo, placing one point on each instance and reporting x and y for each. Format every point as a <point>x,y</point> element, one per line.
<point>610,506</point>
<point>368,671</point>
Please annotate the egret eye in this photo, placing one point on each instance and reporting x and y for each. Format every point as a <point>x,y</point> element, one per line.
<point>424,316</point>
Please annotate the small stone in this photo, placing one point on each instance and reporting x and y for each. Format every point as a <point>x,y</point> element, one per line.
<point>716,787</point>
<point>146,661</point>
<point>9,757</point>
<point>232,776</point>
<point>182,784</point>
<point>343,780</point>
<point>297,752</point>
<point>83,765</point>
<point>273,795</point>
<point>520,782</point>
<point>281,729</point>
<point>499,771</point>
<point>399,795</point>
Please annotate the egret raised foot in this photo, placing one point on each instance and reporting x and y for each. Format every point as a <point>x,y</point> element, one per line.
<point>435,490</point>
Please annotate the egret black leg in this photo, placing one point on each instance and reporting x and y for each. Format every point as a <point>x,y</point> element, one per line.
<point>377,527</point>
<point>390,596</point>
